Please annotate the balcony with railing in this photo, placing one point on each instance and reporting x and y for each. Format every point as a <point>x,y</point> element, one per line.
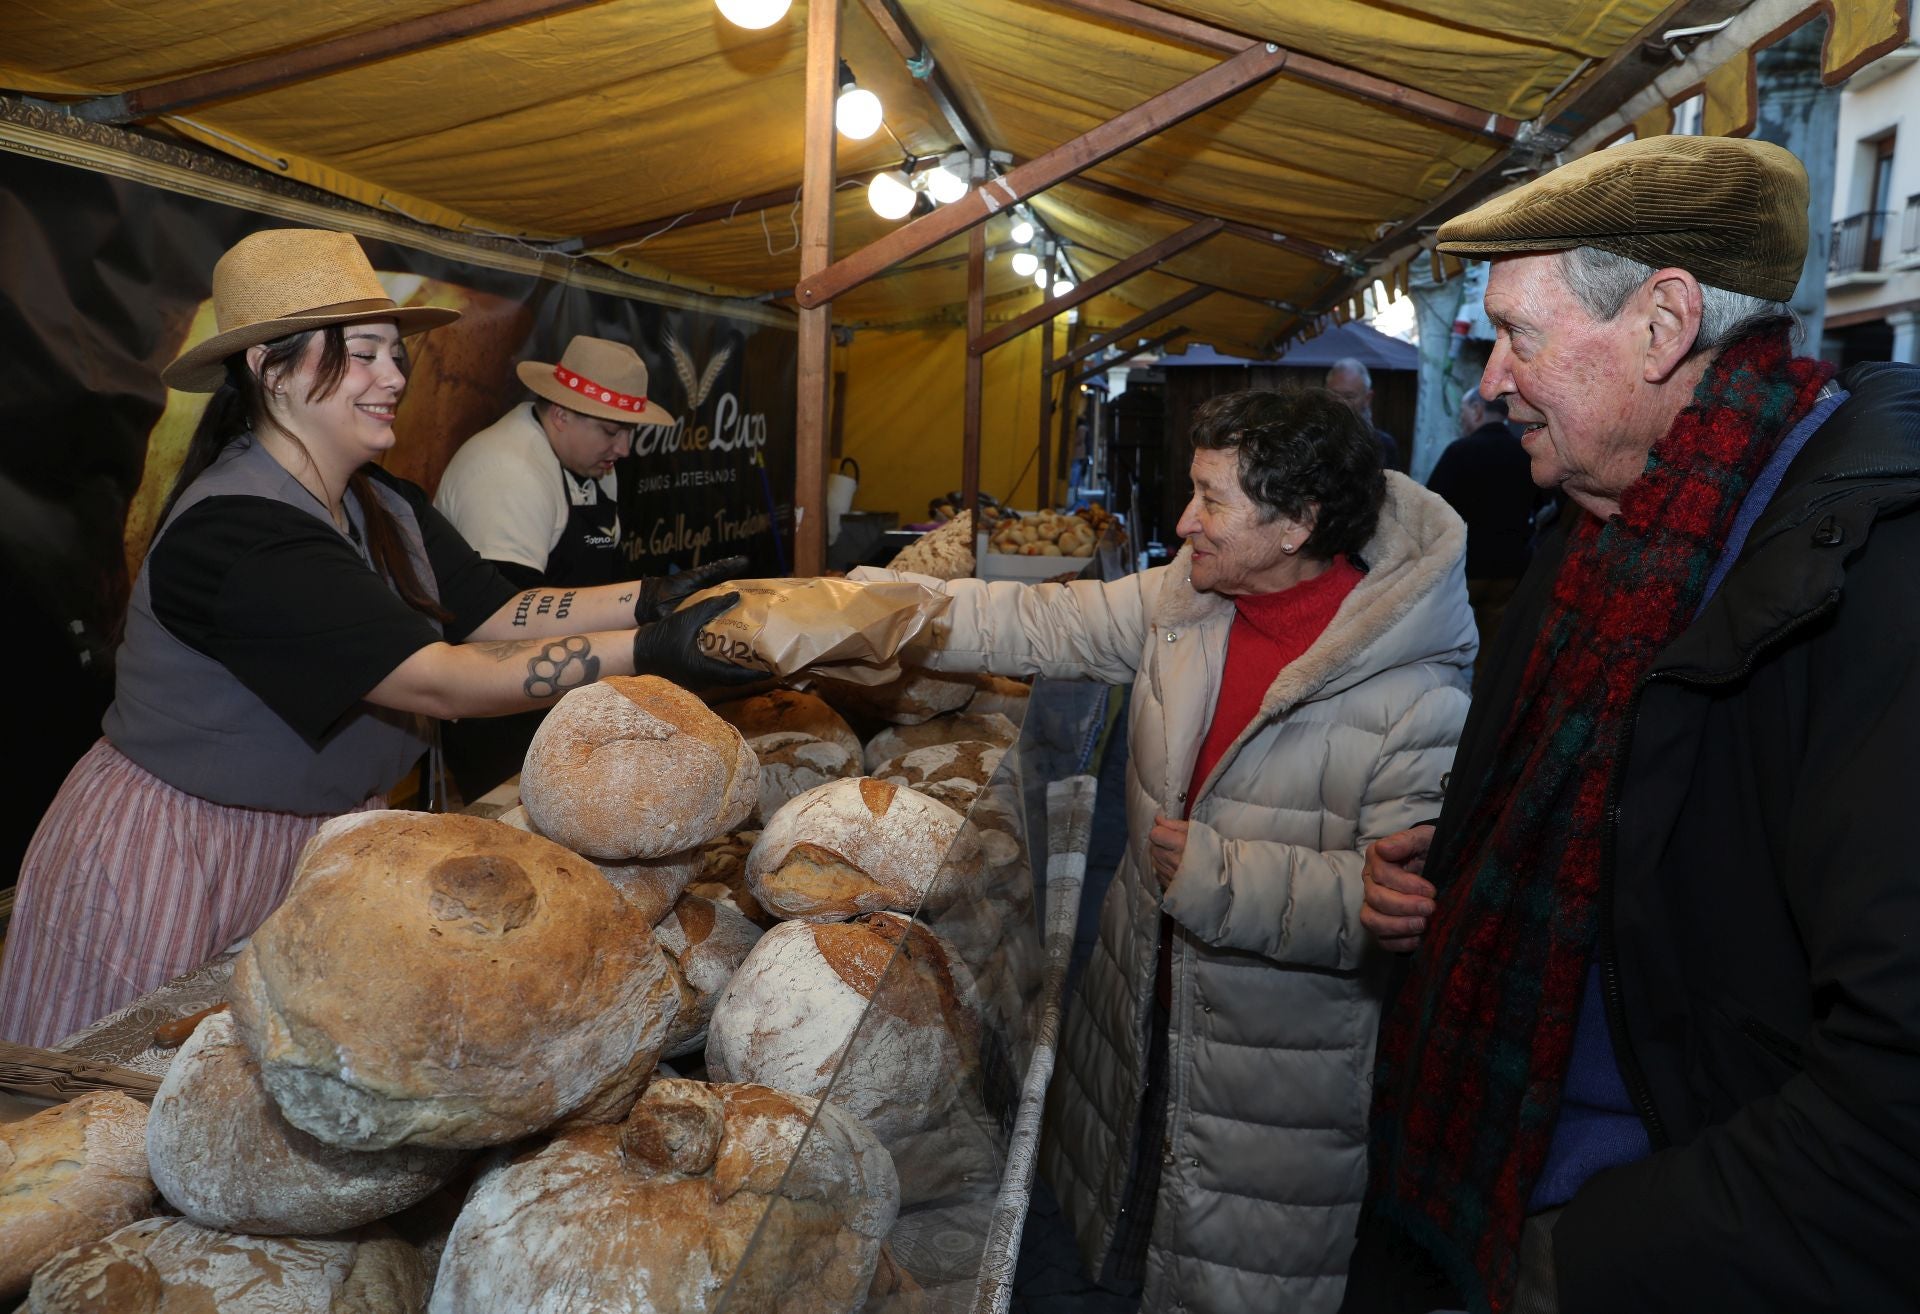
<point>1910,232</point>
<point>1857,243</point>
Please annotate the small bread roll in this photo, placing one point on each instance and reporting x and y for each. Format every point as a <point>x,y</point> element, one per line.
<point>443,981</point>
<point>69,1175</point>
<point>636,767</point>
<point>859,846</point>
<point>222,1155</point>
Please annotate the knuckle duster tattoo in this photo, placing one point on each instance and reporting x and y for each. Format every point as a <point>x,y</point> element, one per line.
<point>561,665</point>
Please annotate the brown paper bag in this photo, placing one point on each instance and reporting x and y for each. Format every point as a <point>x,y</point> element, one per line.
<point>852,631</point>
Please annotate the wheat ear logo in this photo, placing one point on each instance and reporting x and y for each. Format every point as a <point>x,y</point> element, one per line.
<point>698,384</point>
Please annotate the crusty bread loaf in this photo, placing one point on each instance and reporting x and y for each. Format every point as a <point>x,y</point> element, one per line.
<point>654,1216</point>
<point>172,1266</point>
<point>953,728</point>
<point>69,1175</point>
<point>707,942</point>
<point>723,876</point>
<point>636,767</point>
<point>792,763</point>
<point>780,711</point>
<point>445,981</point>
<point>944,553</point>
<point>857,846</point>
<point>998,694</point>
<point>649,884</point>
<point>918,695</point>
<point>953,773</point>
<point>791,1011</point>
<point>222,1154</point>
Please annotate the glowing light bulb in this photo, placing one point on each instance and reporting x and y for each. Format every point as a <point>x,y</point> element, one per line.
<point>1024,263</point>
<point>945,185</point>
<point>1062,286</point>
<point>753,13</point>
<point>857,113</point>
<point>1022,232</point>
<point>1040,279</point>
<point>890,195</point>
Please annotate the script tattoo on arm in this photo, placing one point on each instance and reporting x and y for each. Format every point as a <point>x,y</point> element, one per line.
<point>522,607</point>
<point>566,604</point>
<point>561,665</point>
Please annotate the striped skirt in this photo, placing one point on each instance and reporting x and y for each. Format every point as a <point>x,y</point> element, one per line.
<point>128,883</point>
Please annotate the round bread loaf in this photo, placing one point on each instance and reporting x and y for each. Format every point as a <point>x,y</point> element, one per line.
<point>69,1175</point>
<point>790,1013</point>
<point>445,981</point>
<point>655,1215</point>
<point>172,1266</point>
<point>948,772</point>
<point>918,695</point>
<point>859,846</point>
<point>222,1155</point>
<point>636,767</point>
<point>953,728</point>
<point>784,711</point>
<point>792,763</point>
<point>1001,695</point>
<point>649,884</point>
<point>707,942</point>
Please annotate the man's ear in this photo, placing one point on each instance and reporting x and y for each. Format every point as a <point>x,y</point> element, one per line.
<point>1672,310</point>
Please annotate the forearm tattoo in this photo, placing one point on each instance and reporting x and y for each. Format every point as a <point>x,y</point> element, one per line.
<point>524,606</point>
<point>562,665</point>
<point>536,603</point>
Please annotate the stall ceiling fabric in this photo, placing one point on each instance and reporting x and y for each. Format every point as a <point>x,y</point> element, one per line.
<point>632,110</point>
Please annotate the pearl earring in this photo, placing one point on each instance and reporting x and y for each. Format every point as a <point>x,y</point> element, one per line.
<point>1289,548</point>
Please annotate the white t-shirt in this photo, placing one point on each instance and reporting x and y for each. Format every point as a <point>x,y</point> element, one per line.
<point>505,492</point>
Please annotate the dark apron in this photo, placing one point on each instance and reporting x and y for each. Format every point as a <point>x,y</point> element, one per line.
<point>482,751</point>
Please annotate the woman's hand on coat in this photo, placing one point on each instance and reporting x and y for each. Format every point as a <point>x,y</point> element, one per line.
<point>1398,900</point>
<point>1166,845</point>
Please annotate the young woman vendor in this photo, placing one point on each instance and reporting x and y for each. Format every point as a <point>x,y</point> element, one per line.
<point>299,615</point>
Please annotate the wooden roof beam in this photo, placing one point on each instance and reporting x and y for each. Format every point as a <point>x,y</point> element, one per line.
<point>1171,306</point>
<point>901,34</point>
<point>1367,86</point>
<point>707,214</point>
<point>1150,344</point>
<point>253,76</point>
<point>1326,255</point>
<point>1250,67</point>
<point>1112,276</point>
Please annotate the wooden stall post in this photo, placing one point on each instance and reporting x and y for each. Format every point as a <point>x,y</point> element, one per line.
<point>976,319</point>
<point>812,417</point>
<point>1066,417</point>
<point>1045,496</point>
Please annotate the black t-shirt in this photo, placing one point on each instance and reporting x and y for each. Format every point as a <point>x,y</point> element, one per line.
<point>296,612</point>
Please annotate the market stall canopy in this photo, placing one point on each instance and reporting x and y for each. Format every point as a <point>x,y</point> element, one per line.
<point>655,136</point>
<point>1361,342</point>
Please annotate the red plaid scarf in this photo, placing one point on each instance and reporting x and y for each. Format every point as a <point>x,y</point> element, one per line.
<point>1472,1061</point>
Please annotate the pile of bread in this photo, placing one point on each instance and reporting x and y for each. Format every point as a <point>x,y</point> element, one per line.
<point>1045,534</point>
<point>439,1083</point>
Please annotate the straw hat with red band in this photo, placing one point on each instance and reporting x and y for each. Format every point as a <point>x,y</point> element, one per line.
<point>288,280</point>
<point>606,380</point>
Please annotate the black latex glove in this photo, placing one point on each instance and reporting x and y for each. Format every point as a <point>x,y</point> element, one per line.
<point>660,594</point>
<point>670,649</point>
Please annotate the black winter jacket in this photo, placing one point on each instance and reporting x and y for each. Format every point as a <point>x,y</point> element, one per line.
<point>1760,943</point>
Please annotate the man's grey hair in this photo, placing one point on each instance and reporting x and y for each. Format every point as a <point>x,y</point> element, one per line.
<point>1602,281</point>
<point>1353,367</point>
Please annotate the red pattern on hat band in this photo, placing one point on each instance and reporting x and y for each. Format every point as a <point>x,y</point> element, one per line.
<point>594,392</point>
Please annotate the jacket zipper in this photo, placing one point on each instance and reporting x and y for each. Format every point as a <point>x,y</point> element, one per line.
<point>1631,1074</point>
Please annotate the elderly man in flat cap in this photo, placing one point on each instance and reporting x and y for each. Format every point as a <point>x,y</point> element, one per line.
<point>1657,1043</point>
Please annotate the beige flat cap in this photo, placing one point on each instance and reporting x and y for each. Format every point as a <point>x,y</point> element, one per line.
<point>1729,211</point>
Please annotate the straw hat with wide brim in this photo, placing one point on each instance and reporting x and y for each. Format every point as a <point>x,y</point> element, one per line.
<point>606,380</point>
<point>288,280</point>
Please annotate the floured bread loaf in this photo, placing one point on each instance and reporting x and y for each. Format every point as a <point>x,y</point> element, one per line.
<point>918,695</point>
<point>789,711</point>
<point>172,1266</point>
<point>449,982</point>
<point>69,1175</point>
<point>789,1013</point>
<point>954,728</point>
<point>944,553</point>
<point>654,1216</point>
<point>636,767</point>
<point>953,773</point>
<point>1001,695</point>
<point>723,876</point>
<point>707,941</point>
<point>858,846</point>
<point>649,884</point>
<point>792,763</point>
<point>222,1155</point>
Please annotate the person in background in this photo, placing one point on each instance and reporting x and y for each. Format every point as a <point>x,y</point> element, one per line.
<point>1299,677</point>
<point>1658,1046</point>
<point>536,495</point>
<point>1485,475</point>
<point>299,612</point>
<point>1351,381</point>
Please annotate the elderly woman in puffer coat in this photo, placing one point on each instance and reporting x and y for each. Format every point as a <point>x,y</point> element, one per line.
<point>1300,676</point>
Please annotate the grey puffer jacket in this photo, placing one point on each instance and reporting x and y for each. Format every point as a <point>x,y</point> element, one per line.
<point>1276,988</point>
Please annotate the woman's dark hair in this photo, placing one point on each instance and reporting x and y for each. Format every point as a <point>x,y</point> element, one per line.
<point>1301,449</point>
<point>231,412</point>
